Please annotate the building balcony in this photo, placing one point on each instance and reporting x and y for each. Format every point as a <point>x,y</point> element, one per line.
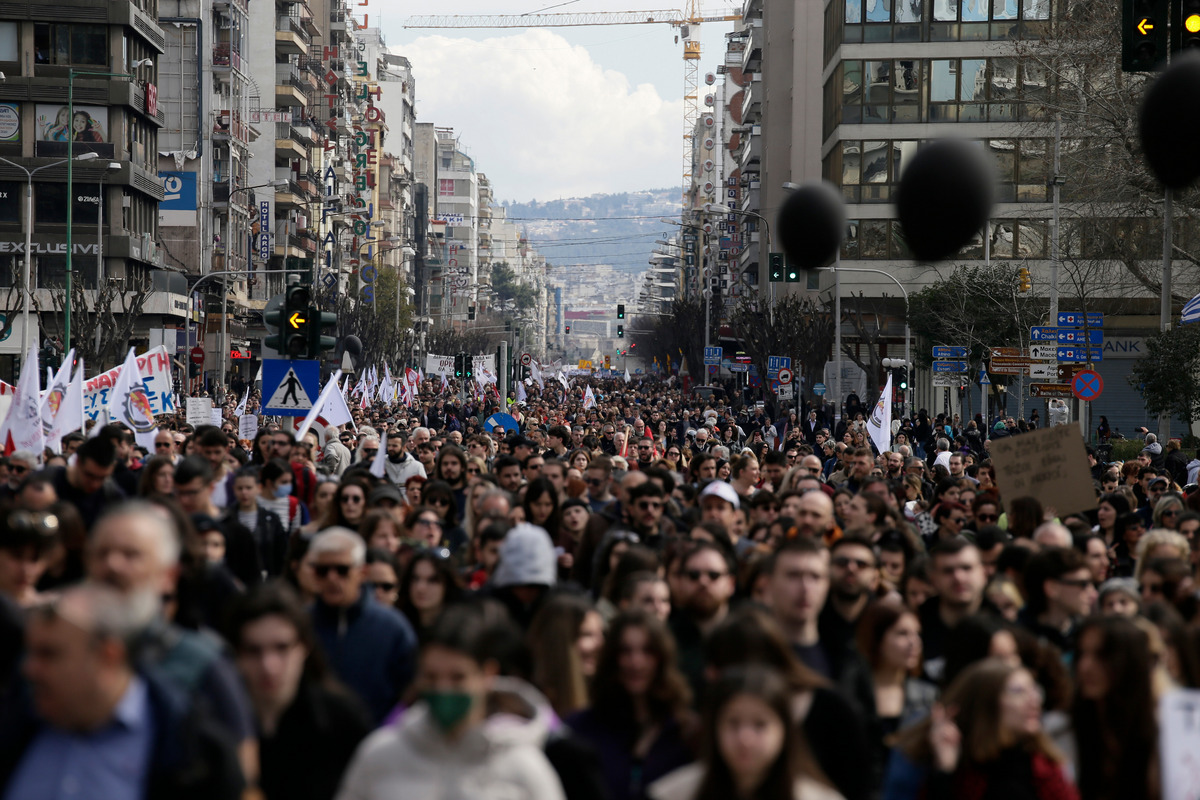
<point>752,101</point>
<point>287,147</point>
<point>752,54</point>
<point>226,58</point>
<point>290,37</point>
<point>230,125</point>
<point>288,95</point>
<point>751,152</point>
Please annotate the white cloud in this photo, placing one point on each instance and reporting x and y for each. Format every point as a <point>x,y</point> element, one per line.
<point>542,119</point>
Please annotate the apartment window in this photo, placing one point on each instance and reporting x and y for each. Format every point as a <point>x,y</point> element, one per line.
<point>85,45</point>
<point>9,49</point>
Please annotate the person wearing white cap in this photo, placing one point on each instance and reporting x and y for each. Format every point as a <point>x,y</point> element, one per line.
<point>719,503</point>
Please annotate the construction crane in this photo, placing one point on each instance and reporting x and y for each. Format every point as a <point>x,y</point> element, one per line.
<point>688,22</point>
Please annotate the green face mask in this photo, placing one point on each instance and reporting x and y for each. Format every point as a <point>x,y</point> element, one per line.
<point>448,709</point>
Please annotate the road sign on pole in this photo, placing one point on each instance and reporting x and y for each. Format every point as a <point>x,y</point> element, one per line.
<point>1050,390</point>
<point>819,389</point>
<point>1043,334</point>
<point>290,386</point>
<point>785,376</point>
<point>984,380</point>
<point>1075,319</point>
<point>776,363</point>
<point>950,352</point>
<point>713,355</point>
<point>1087,385</point>
<point>949,366</point>
<point>1080,354</point>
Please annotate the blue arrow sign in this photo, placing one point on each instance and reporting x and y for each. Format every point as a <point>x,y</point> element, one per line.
<point>949,352</point>
<point>1080,354</point>
<point>1075,319</point>
<point>1043,334</point>
<point>1080,336</point>
<point>949,366</point>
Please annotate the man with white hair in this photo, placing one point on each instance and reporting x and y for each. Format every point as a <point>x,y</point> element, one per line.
<point>1053,534</point>
<point>101,727</point>
<point>134,549</point>
<point>20,464</point>
<point>371,647</point>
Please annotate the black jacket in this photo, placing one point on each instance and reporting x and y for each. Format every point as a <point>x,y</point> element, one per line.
<point>192,758</point>
<point>316,737</point>
<point>270,538</point>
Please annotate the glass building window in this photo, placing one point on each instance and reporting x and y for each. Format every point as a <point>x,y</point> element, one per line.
<point>67,45</point>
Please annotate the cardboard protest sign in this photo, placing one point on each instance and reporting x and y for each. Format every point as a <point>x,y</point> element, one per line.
<point>1049,464</point>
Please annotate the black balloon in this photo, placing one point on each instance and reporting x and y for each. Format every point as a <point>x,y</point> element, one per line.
<point>1168,123</point>
<point>811,225</point>
<point>352,345</point>
<point>944,198</point>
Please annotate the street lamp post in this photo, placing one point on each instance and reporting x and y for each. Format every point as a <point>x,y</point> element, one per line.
<point>28,266</point>
<point>838,321</point>
<point>71,172</point>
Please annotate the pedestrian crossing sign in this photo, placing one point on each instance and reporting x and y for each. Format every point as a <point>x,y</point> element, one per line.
<point>290,386</point>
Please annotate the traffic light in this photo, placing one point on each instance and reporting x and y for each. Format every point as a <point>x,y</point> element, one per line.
<point>568,328</point>
<point>458,366</point>
<point>318,321</point>
<point>49,356</point>
<point>468,366</point>
<point>792,273</point>
<point>620,331</point>
<point>902,378</point>
<point>1185,31</point>
<point>1144,37</point>
<point>1023,282</point>
<point>291,321</point>
<point>775,262</point>
<point>620,311</point>
<point>470,313</point>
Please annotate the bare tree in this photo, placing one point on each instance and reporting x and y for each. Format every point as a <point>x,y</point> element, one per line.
<point>799,328</point>
<point>102,319</point>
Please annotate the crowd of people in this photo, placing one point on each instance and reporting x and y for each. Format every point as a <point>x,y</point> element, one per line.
<point>651,595</point>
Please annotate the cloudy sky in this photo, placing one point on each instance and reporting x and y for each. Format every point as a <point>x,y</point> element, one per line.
<point>563,112</point>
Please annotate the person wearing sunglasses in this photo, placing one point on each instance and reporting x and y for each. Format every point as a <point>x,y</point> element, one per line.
<point>1059,593</point>
<point>349,504</point>
<point>371,647</point>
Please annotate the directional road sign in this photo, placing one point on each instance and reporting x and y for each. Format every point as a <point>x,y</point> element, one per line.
<point>1087,385</point>
<point>739,367</point>
<point>949,352</point>
<point>785,376</point>
<point>290,386</point>
<point>1043,334</point>
<point>1008,367</point>
<point>947,381</point>
<point>1075,319</point>
<point>1080,354</point>
<point>1043,352</point>
<point>1004,352</point>
<point>949,366</point>
<point>1049,390</point>
<point>712,355</point>
<point>1044,370</point>
<point>1080,336</point>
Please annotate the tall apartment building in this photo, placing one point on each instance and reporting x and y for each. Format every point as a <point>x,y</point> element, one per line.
<point>458,208</point>
<point>116,193</point>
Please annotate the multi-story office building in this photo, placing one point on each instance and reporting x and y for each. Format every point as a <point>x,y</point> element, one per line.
<point>458,208</point>
<point>115,126</point>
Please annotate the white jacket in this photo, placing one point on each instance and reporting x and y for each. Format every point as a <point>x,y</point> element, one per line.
<point>501,759</point>
<point>684,783</point>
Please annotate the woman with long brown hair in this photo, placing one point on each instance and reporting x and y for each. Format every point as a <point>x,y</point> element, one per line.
<point>639,723</point>
<point>752,751</point>
<point>984,740</point>
<point>565,640</point>
<point>833,728</point>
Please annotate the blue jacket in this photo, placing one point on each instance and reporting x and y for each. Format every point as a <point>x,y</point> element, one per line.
<point>371,647</point>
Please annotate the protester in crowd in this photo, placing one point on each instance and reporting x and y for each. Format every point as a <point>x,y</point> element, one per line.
<point>457,740</point>
<point>565,640</point>
<point>428,586</point>
<point>984,739</point>
<point>308,724</point>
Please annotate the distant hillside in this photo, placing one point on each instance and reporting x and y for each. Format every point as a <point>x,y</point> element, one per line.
<point>611,229</point>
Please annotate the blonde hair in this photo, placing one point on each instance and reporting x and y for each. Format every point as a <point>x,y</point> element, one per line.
<point>1159,537</point>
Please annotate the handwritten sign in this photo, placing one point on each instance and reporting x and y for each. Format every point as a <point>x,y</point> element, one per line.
<point>155,367</point>
<point>248,427</point>
<point>1049,464</point>
<point>199,411</point>
<point>439,365</point>
<point>1179,716</point>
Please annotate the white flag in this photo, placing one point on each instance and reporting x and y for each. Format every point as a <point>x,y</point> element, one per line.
<point>129,404</point>
<point>520,392</point>
<point>240,411</point>
<point>879,426</point>
<point>378,465</point>
<point>69,417</point>
<point>317,407</point>
<point>589,399</point>
<point>536,372</point>
<point>24,422</point>
<point>336,412</point>
<point>52,400</point>
<point>562,378</point>
<point>627,378</point>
